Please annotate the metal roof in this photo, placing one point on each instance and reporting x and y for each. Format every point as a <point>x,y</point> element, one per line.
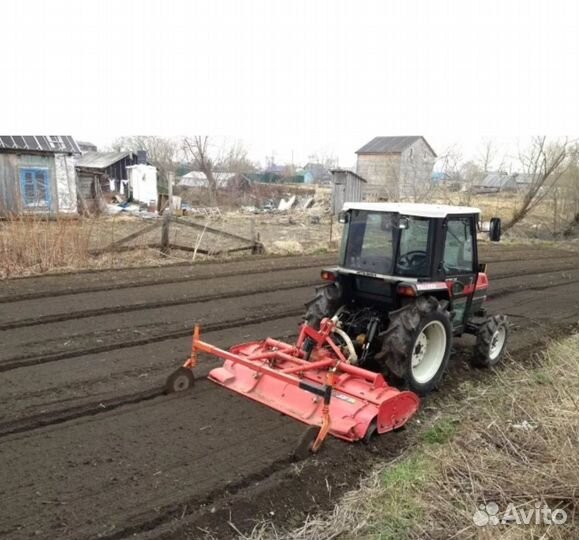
<point>198,179</point>
<point>412,209</point>
<point>503,180</point>
<point>497,180</point>
<point>391,145</point>
<point>100,160</point>
<point>40,143</point>
<point>348,171</point>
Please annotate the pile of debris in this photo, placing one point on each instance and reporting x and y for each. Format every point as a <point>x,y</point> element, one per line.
<point>117,203</point>
<point>314,205</point>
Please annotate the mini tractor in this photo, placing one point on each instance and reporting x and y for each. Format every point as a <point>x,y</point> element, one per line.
<point>379,334</point>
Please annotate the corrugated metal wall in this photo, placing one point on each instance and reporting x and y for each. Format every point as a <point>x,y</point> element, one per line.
<point>346,188</point>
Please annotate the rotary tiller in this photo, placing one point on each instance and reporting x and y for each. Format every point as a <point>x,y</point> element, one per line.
<point>312,381</point>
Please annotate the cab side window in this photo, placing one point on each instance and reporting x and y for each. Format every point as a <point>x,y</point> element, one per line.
<point>458,247</point>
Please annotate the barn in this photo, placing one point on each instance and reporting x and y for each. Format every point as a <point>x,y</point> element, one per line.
<point>396,167</point>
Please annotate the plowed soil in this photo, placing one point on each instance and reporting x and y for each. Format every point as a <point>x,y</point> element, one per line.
<point>90,447</point>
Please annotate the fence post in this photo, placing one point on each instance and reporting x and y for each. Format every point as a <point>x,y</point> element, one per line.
<point>165,233</point>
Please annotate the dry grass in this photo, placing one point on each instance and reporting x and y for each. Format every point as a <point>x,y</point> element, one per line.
<point>545,221</point>
<point>35,245</point>
<point>30,245</point>
<point>518,443</point>
<point>514,440</point>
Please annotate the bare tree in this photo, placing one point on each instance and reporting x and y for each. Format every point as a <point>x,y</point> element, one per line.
<point>198,151</point>
<point>162,152</point>
<point>487,156</point>
<point>233,157</point>
<point>543,163</point>
<point>206,156</point>
<point>472,174</point>
<point>449,164</point>
<point>568,186</point>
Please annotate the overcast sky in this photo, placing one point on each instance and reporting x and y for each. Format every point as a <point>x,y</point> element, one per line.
<point>292,77</point>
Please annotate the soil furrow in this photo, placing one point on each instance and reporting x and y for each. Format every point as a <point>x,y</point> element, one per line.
<point>29,423</point>
<point>39,287</point>
<point>101,406</point>
<point>96,451</point>
<point>266,268</point>
<point>65,309</point>
<point>47,319</point>
<point>158,333</point>
<point>90,409</point>
<point>32,360</point>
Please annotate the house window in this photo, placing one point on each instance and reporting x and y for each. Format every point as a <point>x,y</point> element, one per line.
<point>35,187</point>
<point>411,152</point>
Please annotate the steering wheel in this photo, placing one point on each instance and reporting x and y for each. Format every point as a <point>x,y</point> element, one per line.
<point>412,259</point>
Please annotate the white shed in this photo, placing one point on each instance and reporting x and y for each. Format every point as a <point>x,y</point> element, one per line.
<point>143,182</point>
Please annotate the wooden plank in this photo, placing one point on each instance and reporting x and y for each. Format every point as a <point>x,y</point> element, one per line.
<point>206,252</point>
<point>244,248</point>
<point>193,250</point>
<point>205,228</point>
<point>128,238</point>
<point>121,249</point>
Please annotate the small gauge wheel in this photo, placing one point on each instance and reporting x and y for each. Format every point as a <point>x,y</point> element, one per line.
<point>180,380</point>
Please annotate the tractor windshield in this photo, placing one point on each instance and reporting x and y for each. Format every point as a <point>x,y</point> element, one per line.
<point>373,239</point>
<point>370,240</point>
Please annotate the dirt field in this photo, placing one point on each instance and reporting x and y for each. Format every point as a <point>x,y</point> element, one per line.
<point>89,446</point>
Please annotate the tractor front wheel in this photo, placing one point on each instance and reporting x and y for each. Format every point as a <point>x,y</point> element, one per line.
<point>416,345</point>
<point>491,341</point>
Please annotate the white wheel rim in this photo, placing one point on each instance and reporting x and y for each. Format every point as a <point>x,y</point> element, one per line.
<point>497,342</point>
<point>428,352</point>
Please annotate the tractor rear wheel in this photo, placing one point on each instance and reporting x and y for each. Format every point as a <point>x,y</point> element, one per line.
<point>416,345</point>
<point>491,341</point>
<point>325,304</point>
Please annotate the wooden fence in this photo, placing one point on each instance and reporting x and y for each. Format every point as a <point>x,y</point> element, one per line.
<point>165,245</point>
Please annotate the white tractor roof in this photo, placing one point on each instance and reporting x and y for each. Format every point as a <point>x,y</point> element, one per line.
<point>412,209</point>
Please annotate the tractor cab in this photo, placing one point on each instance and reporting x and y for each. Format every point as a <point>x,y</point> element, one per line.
<point>393,252</point>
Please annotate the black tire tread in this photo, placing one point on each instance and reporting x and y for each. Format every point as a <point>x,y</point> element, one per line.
<point>398,338</point>
<point>325,304</point>
<point>480,357</point>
